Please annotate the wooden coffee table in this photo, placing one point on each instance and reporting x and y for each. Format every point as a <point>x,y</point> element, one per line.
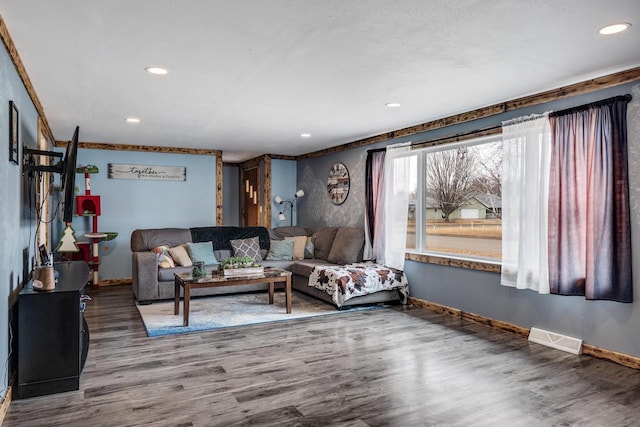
<point>271,276</point>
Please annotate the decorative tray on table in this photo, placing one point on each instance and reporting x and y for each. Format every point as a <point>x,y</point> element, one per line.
<point>240,266</point>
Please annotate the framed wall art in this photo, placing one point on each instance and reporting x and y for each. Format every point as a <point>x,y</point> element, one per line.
<point>338,183</point>
<point>14,144</point>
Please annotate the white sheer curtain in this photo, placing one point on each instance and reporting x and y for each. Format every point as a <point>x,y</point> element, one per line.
<point>526,144</point>
<point>396,204</point>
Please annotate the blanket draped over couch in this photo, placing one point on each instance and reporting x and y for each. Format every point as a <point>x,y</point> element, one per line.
<point>332,246</point>
<point>352,280</point>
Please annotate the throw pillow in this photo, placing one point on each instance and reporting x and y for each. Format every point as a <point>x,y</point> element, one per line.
<point>202,251</point>
<point>347,246</point>
<point>323,241</point>
<point>299,242</point>
<point>280,250</point>
<point>181,256</point>
<point>309,248</point>
<point>164,259</point>
<point>247,247</point>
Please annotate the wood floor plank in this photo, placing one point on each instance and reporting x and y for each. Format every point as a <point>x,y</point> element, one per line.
<point>388,367</point>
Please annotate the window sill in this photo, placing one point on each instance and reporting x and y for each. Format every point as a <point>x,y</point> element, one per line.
<point>493,267</point>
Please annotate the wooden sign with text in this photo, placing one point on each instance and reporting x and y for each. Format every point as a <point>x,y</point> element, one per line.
<point>146,172</point>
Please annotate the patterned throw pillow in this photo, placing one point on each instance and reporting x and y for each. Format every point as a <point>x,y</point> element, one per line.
<point>280,250</point>
<point>299,242</point>
<point>164,259</point>
<point>181,256</point>
<point>247,247</point>
<point>309,248</point>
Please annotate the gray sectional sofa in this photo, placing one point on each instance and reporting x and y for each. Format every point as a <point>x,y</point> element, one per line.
<point>332,245</point>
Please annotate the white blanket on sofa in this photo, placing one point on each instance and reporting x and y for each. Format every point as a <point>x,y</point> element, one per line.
<point>352,280</point>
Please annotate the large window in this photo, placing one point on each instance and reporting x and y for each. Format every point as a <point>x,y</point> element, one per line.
<point>455,204</point>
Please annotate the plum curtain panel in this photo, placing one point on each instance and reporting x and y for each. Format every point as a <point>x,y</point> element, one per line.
<point>397,177</point>
<point>526,151</point>
<point>374,201</point>
<point>589,216</point>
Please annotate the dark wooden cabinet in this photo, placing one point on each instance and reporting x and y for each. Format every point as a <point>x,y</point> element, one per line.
<point>53,337</point>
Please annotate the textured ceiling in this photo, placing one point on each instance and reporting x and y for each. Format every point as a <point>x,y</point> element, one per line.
<point>248,77</point>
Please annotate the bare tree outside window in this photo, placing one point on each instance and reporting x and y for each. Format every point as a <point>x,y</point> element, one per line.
<point>450,178</point>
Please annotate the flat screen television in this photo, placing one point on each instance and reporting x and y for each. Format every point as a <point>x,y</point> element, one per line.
<point>68,177</point>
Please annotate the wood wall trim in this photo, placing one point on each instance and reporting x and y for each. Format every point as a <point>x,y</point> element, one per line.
<point>588,349</point>
<point>26,81</point>
<point>282,157</point>
<point>144,148</point>
<point>453,262</point>
<point>115,282</point>
<point>219,192</point>
<point>491,110</point>
<point>266,194</point>
<point>613,356</point>
<point>6,401</point>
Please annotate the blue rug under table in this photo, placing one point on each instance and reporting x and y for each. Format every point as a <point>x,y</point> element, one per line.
<point>223,311</point>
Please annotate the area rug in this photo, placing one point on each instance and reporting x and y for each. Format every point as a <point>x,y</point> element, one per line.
<point>223,311</point>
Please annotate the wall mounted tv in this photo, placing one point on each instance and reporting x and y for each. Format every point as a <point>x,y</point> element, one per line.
<point>66,167</point>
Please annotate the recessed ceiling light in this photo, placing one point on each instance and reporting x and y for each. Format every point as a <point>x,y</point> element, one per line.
<point>392,104</point>
<point>132,120</point>
<point>614,28</point>
<point>305,135</point>
<point>159,71</point>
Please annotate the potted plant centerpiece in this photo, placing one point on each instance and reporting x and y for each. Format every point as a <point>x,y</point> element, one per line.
<point>240,266</point>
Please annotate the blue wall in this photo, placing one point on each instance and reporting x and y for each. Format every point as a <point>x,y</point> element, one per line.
<point>284,184</point>
<point>131,204</point>
<point>604,324</point>
<point>17,225</point>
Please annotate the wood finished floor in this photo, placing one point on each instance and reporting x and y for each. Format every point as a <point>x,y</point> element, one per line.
<point>389,367</point>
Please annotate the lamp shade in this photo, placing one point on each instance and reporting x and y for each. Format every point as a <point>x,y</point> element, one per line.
<point>278,200</point>
<point>299,193</point>
<point>281,216</point>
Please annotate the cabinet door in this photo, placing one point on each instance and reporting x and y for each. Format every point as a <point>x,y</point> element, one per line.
<point>49,330</point>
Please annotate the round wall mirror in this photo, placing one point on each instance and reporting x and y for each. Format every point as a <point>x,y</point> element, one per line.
<point>338,183</point>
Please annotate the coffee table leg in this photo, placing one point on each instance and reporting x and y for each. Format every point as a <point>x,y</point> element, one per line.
<point>176,297</point>
<point>271,289</point>
<point>187,292</point>
<point>287,293</point>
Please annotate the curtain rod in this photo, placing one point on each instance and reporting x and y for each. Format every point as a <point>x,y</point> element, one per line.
<point>374,150</point>
<point>596,104</point>
<point>455,137</point>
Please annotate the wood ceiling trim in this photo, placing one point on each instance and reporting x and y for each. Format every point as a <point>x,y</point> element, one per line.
<point>145,148</point>
<point>588,86</point>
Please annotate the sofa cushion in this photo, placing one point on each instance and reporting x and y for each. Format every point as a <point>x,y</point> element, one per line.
<point>280,250</point>
<point>279,233</point>
<point>202,252</point>
<point>146,240</point>
<point>304,268</point>
<point>181,256</point>
<point>299,242</point>
<point>247,247</point>
<point>347,246</point>
<point>167,274</point>
<point>323,241</point>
